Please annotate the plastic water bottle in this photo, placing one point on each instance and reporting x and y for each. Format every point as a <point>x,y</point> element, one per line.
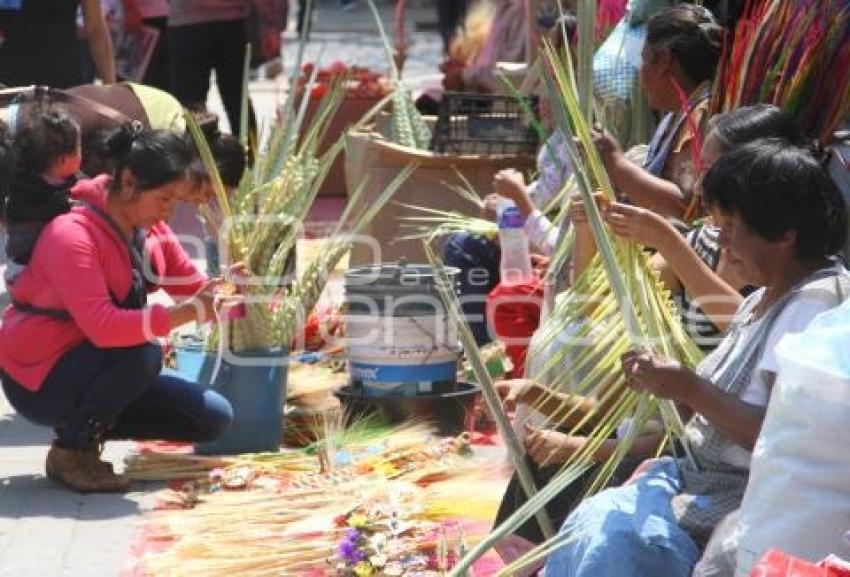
<point>516,261</point>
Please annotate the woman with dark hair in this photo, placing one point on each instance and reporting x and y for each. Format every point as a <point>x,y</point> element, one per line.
<point>679,59</point>
<point>750,123</point>
<point>694,267</point>
<point>78,346</point>
<point>782,220</point>
<point>689,265</point>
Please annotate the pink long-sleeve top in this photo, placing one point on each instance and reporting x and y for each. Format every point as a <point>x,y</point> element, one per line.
<point>78,263</point>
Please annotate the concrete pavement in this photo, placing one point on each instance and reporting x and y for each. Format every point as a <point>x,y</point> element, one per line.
<point>48,531</point>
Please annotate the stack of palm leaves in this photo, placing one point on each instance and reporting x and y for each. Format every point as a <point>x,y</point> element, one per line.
<point>616,304</point>
<point>794,54</point>
<point>260,224</point>
<point>167,466</point>
<point>284,521</point>
<point>335,431</point>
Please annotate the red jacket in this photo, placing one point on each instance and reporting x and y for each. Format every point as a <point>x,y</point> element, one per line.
<point>78,263</point>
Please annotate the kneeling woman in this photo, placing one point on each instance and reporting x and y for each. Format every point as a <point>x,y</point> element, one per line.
<point>782,220</point>
<point>78,346</point>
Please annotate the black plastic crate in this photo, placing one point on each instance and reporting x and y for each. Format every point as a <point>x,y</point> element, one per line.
<point>487,124</point>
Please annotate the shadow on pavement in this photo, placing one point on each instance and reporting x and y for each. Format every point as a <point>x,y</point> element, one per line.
<point>15,431</point>
<point>26,496</point>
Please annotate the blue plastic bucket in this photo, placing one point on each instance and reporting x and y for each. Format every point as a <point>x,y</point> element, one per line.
<point>254,382</point>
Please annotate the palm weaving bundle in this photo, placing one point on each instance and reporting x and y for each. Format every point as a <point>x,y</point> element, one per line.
<point>389,491</point>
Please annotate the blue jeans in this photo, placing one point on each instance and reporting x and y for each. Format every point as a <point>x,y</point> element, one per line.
<point>119,393</point>
<point>478,259</point>
<point>628,531</point>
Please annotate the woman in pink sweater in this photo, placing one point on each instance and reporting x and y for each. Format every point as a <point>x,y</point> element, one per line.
<point>78,349</point>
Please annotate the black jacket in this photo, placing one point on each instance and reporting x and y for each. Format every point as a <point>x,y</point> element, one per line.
<point>32,203</point>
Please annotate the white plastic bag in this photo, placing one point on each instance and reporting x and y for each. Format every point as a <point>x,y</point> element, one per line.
<point>798,496</point>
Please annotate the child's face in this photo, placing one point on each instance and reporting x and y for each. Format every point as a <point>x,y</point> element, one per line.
<point>199,192</point>
<point>67,165</point>
<point>203,192</point>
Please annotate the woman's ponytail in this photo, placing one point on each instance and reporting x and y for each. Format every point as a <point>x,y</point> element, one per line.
<point>154,157</point>
<point>118,143</point>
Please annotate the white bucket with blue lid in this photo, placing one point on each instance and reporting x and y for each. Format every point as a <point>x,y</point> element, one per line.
<point>400,340</point>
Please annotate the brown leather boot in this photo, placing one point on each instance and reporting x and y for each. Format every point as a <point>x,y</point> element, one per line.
<point>79,471</point>
<point>94,454</point>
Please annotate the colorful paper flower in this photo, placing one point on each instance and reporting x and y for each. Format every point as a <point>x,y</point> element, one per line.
<point>347,551</point>
<point>358,520</point>
<point>352,535</point>
<point>318,91</point>
<point>378,560</point>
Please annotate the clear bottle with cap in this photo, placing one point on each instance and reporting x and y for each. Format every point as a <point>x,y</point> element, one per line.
<point>516,260</point>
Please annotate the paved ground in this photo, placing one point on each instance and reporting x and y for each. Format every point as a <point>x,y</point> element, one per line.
<point>49,532</point>
<point>352,37</point>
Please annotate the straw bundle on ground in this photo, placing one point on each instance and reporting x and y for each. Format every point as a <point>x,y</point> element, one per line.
<point>286,519</point>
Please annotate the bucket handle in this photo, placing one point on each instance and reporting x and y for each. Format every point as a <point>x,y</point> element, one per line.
<point>434,346</point>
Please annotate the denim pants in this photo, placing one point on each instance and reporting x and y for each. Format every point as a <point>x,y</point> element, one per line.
<point>119,393</point>
<point>628,531</point>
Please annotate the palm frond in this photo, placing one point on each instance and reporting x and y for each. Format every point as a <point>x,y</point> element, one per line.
<point>408,127</point>
<point>473,355</point>
<point>617,303</point>
<point>244,101</point>
<point>261,224</point>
